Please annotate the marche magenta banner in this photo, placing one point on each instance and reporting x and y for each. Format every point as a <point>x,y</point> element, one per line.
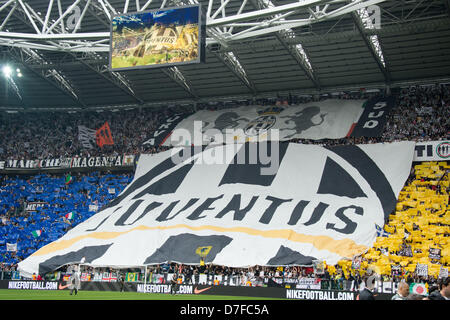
<point>288,204</point>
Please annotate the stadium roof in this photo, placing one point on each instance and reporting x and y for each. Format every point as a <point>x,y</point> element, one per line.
<point>255,48</point>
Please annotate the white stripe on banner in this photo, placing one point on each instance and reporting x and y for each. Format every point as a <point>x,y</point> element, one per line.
<point>311,203</point>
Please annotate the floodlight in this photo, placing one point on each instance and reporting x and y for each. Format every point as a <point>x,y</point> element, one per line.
<point>7,71</point>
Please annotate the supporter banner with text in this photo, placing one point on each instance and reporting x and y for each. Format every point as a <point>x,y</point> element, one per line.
<point>212,204</point>
<point>432,151</point>
<point>331,119</point>
<point>34,205</point>
<point>374,118</point>
<point>86,137</point>
<point>159,136</point>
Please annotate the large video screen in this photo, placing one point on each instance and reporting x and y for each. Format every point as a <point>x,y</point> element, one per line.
<point>157,38</point>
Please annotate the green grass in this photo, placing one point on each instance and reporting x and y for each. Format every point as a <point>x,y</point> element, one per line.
<point>6,294</point>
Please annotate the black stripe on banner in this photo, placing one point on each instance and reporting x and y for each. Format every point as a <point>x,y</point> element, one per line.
<point>168,184</point>
<point>154,172</point>
<point>90,253</point>
<point>127,214</point>
<point>286,256</point>
<point>247,166</point>
<point>185,248</point>
<point>370,171</point>
<point>336,181</point>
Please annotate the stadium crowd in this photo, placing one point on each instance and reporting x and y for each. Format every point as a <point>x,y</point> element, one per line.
<point>423,113</point>
<point>36,210</point>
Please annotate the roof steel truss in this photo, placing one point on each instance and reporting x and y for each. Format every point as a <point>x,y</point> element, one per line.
<point>46,35</point>
<point>80,30</point>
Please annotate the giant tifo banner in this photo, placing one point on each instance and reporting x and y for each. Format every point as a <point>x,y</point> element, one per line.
<point>286,204</point>
<point>329,119</point>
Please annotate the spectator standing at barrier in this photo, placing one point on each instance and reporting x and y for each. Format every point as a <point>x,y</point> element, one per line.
<point>444,293</point>
<point>366,293</point>
<point>188,272</point>
<point>402,292</point>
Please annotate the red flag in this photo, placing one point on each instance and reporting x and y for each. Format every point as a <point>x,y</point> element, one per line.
<point>104,136</point>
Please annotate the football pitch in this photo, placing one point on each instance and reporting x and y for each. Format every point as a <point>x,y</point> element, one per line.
<point>6,294</point>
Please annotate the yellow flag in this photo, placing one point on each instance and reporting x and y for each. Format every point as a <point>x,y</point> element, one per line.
<point>203,251</point>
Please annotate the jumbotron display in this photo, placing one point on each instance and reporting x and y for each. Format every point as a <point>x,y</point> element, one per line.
<point>157,38</point>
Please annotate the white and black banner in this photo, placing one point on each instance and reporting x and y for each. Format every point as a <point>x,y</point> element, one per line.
<point>87,137</point>
<point>422,270</point>
<point>68,163</point>
<point>443,272</point>
<point>374,118</point>
<point>432,151</point>
<point>424,110</point>
<point>289,205</point>
<point>328,119</point>
<point>33,206</point>
<point>159,136</point>
<point>306,283</point>
<point>11,247</point>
